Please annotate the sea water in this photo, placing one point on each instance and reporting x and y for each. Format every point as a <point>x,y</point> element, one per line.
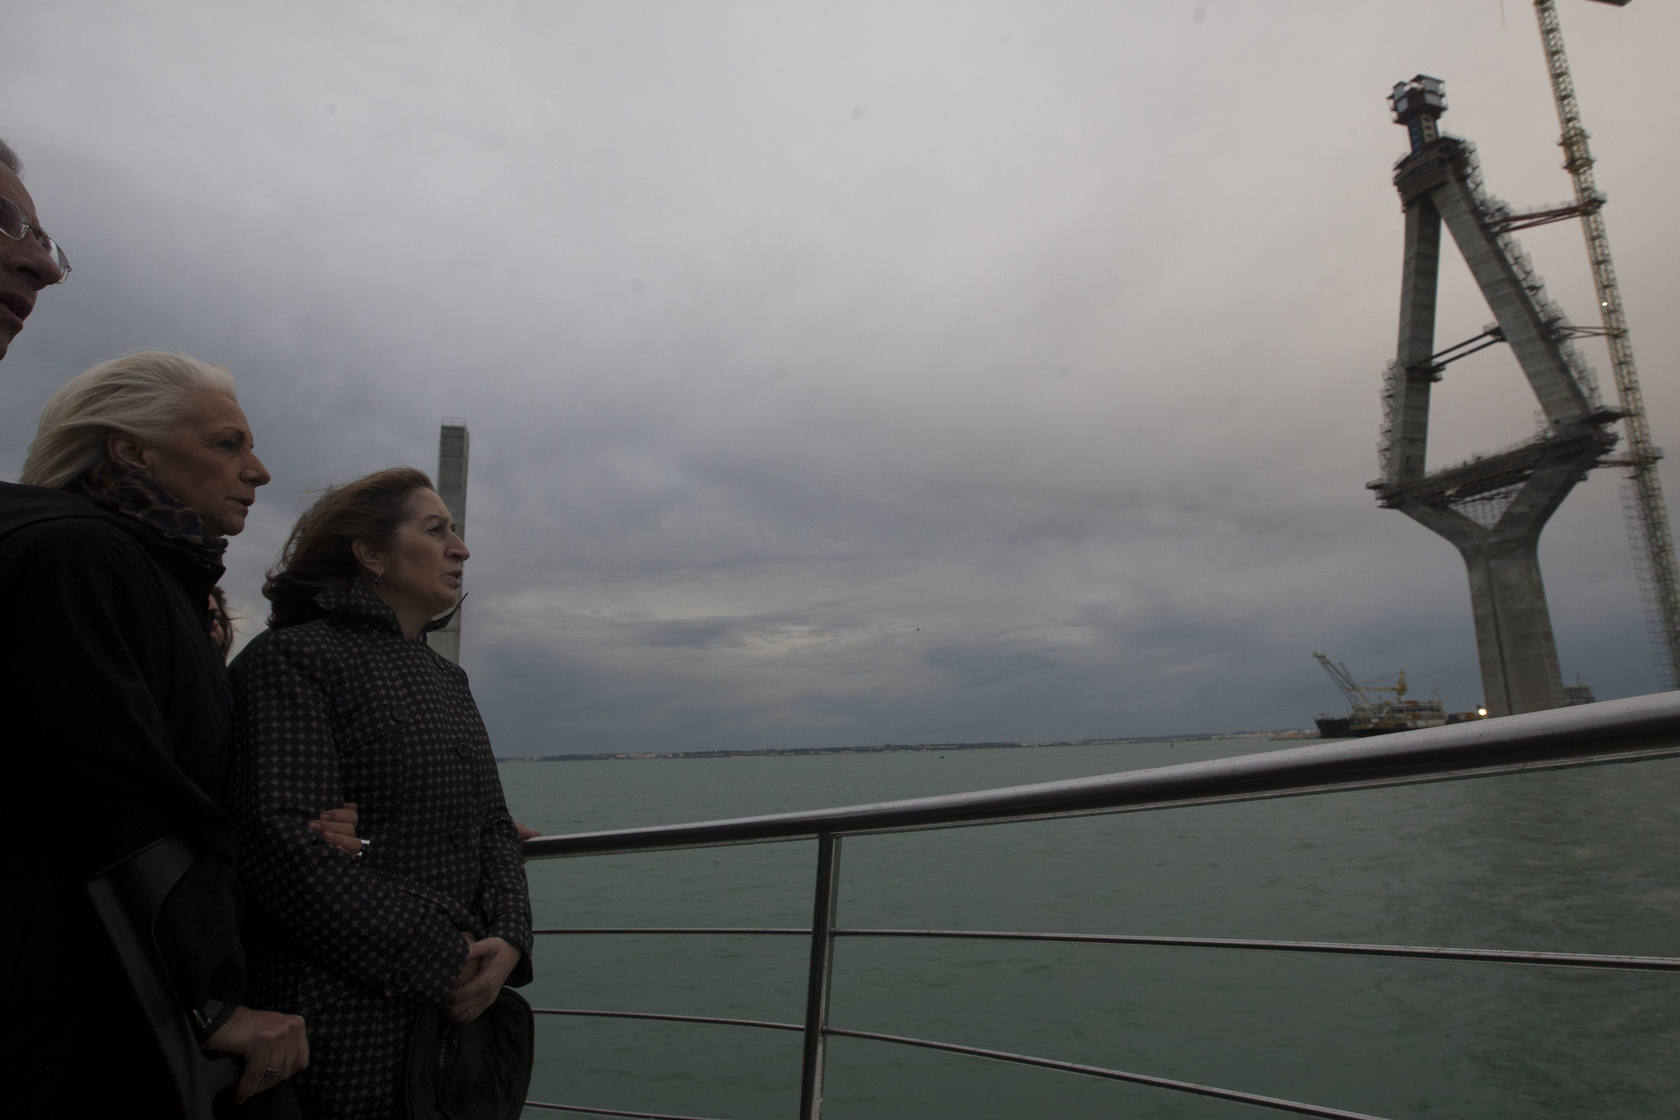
<point>1568,861</point>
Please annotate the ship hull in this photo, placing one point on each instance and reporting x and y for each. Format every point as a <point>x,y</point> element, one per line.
<point>1350,727</point>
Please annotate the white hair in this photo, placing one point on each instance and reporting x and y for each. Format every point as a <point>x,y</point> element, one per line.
<point>141,396</point>
<point>9,159</point>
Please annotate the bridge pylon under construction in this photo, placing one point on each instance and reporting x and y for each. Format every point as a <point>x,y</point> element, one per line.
<point>453,443</point>
<point>1493,507</point>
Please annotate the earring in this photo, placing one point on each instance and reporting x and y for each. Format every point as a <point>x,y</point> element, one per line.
<point>378,578</point>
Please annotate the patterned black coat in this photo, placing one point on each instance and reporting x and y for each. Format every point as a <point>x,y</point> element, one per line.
<point>344,708</point>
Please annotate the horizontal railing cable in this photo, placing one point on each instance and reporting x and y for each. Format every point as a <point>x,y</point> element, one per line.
<point>588,1111</point>
<point>1299,1108</point>
<point>665,1017</point>
<point>1343,948</point>
<point>1415,952</point>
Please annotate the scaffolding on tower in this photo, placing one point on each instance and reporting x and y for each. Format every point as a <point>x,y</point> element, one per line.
<point>1642,498</point>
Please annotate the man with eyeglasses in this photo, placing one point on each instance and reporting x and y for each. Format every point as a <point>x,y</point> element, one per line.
<point>29,259</point>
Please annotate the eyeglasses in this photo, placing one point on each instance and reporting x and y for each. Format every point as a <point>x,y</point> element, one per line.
<point>14,223</point>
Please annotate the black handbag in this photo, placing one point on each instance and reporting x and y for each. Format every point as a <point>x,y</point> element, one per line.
<point>470,1071</point>
<point>127,897</point>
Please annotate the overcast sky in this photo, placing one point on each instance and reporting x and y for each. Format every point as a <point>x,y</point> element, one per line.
<point>846,373</point>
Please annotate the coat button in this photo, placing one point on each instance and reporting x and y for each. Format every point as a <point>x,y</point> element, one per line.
<point>399,717</point>
<point>459,837</point>
<point>401,976</point>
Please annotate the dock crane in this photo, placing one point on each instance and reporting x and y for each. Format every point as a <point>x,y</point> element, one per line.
<point>1361,704</point>
<point>1648,527</point>
<point>1356,698</point>
<point>1376,717</point>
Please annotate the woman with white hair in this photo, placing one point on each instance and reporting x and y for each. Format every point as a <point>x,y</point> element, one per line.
<point>118,705</point>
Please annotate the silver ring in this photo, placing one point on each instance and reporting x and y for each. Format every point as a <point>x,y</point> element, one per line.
<point>272,1071</point>
<point>362,851</point>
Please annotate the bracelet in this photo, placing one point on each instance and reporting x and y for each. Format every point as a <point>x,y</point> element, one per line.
<point>207,1020</point>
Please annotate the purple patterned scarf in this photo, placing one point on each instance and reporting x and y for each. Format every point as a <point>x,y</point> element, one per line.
<point>131,492</point>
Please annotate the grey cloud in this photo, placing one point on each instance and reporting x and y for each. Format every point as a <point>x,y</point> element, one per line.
<point>855,374</point>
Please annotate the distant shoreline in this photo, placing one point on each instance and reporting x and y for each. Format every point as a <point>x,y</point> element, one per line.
<point>884,748</point>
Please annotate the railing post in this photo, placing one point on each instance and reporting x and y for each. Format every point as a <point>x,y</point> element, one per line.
<point>817,983</point>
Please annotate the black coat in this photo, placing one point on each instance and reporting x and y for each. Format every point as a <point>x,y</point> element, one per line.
<point>344,708</point>
<point>117,717</point>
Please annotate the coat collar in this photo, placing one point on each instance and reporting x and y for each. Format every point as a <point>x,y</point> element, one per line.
<point>22,506</point>
<point>361,602</point>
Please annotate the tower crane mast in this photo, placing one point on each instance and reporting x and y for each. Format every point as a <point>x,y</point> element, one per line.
<point>1642,494</point>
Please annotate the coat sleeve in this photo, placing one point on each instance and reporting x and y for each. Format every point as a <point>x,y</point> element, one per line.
<point>504,897</point>
<point>372,927</point>
<point>91,629</point>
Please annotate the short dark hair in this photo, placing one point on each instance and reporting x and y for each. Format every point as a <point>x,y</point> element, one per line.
<point>318,555</point>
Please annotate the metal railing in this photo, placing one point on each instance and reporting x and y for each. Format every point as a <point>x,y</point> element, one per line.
<point>1631,730</point>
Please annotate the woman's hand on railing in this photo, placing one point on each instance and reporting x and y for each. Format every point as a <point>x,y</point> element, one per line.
<point>338,828</point>
<point>480,981</point>
<point>272,1043</point>
<point>525,832</point>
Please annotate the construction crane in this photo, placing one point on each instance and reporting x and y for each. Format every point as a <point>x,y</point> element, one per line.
<point>1375,717</point>
<point>1356,697</point>
<point>1355,693</point>
<point>1642,498</point>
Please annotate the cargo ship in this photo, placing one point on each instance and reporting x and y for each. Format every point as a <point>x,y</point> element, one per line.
<point>1376,716</point>
<point>1379,717</point>
<point>1384,717</point>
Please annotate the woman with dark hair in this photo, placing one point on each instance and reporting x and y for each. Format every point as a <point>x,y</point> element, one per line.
<point>221,623</point>
<point>342,700</point>
<point>118,705</point>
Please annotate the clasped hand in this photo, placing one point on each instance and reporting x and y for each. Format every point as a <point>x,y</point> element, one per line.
<point>338,828</point>
<point>489,961</point>
<point>481,978</point>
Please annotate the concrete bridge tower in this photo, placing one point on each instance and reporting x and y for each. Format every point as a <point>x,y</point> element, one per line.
<point>452,488</point>
<point>1493,507</point>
